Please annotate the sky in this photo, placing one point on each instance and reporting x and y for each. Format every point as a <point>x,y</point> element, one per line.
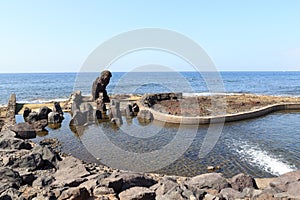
<point>58,36</point>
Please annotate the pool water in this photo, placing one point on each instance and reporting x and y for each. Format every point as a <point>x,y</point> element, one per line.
<point>262,147</point>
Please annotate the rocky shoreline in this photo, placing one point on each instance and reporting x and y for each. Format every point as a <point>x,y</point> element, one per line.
<point>40,171</point>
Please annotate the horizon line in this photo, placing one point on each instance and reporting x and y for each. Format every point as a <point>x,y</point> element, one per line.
<point>56,72</point>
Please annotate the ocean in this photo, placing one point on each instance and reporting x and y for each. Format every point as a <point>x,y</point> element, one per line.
<point>263,147</point>
<point>40,87</point>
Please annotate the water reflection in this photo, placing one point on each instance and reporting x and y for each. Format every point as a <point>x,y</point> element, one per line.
<point>261,147</point>
<point>42,133</point>
<point>54,126</point>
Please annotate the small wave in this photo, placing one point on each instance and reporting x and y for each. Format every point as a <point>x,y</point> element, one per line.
<point>41,101</point>
<point>209,94</point>
<point>266,161</point>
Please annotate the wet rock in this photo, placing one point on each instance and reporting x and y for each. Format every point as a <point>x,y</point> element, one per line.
<point>43,113</point>
<point>57,108</point>
<point>55,118</point>
<point>24,131</point>
<point>26,112</point>
<point>229,193</point>
<point>32,117</point>
<point>241,181</point>
<point>28,130</point>
<point>40,125</point>
<point>137,193</point>
<point>9,179</point>
<point>82,115</point>
<point>78,119</point>
<point>78,193</point>
<point>209,181</point>
<point>99,86</point>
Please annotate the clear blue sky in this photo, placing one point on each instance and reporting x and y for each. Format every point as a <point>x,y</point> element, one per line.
<point>55,36</point>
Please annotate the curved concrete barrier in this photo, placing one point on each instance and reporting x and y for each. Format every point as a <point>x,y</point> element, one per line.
<point>220,118</point>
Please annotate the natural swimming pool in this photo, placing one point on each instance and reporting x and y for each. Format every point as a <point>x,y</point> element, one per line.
<point>261,147</point>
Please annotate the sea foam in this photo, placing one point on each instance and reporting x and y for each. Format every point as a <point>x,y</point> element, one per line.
<point>267,161</point>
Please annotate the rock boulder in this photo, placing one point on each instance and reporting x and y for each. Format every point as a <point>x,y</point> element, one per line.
<point>99,86</point>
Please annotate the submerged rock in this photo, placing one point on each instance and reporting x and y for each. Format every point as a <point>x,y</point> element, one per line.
<point>145,116</point>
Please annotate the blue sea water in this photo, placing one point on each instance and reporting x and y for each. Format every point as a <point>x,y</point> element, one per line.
<point>39,87</point>
<point>261,147</point>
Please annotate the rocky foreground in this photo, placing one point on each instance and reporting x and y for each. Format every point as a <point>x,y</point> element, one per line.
<point>39,171</point>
